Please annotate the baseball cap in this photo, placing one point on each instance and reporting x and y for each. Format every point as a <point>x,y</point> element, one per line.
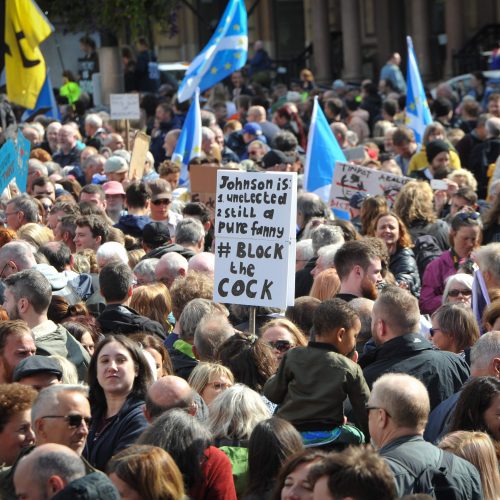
<point>113,187</point>
<point>357,200</point>
<point>155,233</point>
<point>33,365</point>
<point>115,165</point>
<point>275,157</point>
<point>252,128</point>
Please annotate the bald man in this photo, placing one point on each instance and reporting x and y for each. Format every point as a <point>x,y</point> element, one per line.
<point>258,115</point>
<point>46,471</point>
<point>172,392</point>
<point>398,409</point>
<point>203,262</point>
<point>69,153</point>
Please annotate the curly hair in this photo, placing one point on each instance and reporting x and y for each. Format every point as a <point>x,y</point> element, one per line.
<point>249,358</point>
<point>414,203</point>
<point>14,398</point>
<point>192,286</point>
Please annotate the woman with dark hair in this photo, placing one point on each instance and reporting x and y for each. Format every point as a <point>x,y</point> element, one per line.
<point>402,264</point>
<point>118,377</point>
<point>370,209</point>
<point>82,334</point>
<point>271,443</point>
<point>251,360</point>
<point>465,236</point>
<point>478,407</point>
<point>287,118</point>
<point>454,329</point>
<point>60,309</point>
<point>292,483</point>
<point>206,470</point>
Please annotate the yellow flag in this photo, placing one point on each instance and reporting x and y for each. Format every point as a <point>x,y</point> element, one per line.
<point>25,28</point>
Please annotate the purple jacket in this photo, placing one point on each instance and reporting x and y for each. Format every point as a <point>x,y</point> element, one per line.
<point>433,282</point>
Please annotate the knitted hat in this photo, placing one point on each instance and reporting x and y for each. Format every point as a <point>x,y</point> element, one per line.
<point>434,148</point>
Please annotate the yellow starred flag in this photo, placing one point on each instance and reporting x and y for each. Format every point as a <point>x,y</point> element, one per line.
<point>236,27</point>
<point>196,149</point>
<point>213,70</point>
<point>237,55</point>
<point>227,66</point>
<point>25,29</point>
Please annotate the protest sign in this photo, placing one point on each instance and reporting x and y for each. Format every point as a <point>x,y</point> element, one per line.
<point>124,106</point>
<point>23,156</point>
<point>8,163</point>
<point>349,179</point>
<point>203,183</point>
<point>138,158</point>
<point>255,238</point>
<point>355,154</point>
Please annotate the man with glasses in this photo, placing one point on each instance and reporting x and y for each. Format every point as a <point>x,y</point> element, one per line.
<point>161,202</point>
<point>400,348</point>
<point>20,211</point>
<point>398,410</point>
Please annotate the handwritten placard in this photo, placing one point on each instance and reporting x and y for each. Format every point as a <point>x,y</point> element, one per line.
<point>124,106</point>
<point>349,179</point>
<point>8,163</point>
<point>255,238</point>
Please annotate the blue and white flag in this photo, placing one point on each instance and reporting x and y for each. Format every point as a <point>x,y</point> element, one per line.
<point>323,151</point>
<point>225,53</point>
<point>418,114</point>
<point>189,143</point>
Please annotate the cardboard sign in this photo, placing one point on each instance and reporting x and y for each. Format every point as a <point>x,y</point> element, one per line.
<point>203,184</point>
<point>255,238</point>
<point>349,179</point>
<point>124,106</point>
<point>138,158</point>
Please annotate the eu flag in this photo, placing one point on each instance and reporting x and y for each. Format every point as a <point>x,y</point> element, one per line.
<point>225,53</point>
<point>418,115</point>
<point>323,151</point>
<point>189,143</point>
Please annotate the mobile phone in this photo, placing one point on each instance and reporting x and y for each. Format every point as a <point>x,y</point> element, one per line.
<point>439,185</point>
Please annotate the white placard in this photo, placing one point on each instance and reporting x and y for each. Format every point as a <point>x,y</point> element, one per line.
<point>124,106</point>
<point>255,220</point>
<point>349,179</point>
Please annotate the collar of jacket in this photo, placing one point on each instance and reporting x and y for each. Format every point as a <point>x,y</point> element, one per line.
<point>323,345</point>
<point>411,342</point>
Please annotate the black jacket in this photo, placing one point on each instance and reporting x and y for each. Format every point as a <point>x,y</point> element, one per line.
<point>182,363</point>
<point>404,267</point>
<point>409,456</point>
<point>95,486</point>
<point>481,157</point>
<point>304,279</point>
<point>443,373</point>
<point>117,318</point>
<point>158,253</point>
<point>119,432</point>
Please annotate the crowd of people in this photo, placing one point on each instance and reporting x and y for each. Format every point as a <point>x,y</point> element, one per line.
<point>120,377</point>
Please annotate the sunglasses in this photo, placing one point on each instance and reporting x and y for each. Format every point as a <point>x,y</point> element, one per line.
<point>465,216</point>
<point>281,345</point>
<point>456,293</point>
<point>72,420</point>
<point>165,201</point>
<point>433,331</point>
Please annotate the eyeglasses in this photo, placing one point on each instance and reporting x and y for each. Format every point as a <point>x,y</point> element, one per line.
<point>3,269</point>
<point>219,386</point>
<point>164,201</point>
<point>433,331</point>
<point>73,420</point>
<point>281,345</point>
<point>369,408</point>
<point>465,216</point>
<point>456,293</point>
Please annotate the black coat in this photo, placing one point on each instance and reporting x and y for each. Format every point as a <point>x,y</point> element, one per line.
<point>443,373</point>
<point>304,279</point>
<point>122,319</point>
<point>404,268</point>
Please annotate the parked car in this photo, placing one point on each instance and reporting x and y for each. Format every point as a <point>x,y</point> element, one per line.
<point>172,73</point>
<point>461,84</point>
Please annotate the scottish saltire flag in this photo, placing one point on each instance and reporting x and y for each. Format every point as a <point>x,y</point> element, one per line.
<point>26,27</point>
<point>323,151</point>
<point>189,143</point>
<point>45,104</point>
<point>225,52</point>
<point>418,114</point>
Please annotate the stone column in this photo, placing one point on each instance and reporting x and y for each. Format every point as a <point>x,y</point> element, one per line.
<point>351,40</point>
<point>321,41</point>
<point>454,25</point>
<point>420,36</point>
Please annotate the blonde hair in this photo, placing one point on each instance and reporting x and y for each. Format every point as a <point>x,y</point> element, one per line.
<point>326,285</point>
<point>203,372</point>
<point>153,300</point>
<point>469,178</point>
<point>69,373</point>
<point>134,256</point>
<point>478,449</point>
<point>296,333</point>
<point>35,234</point>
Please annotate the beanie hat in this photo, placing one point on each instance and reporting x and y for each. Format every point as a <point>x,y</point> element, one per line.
<point>434,148</point>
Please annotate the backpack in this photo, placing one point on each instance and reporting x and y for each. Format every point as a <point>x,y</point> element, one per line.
<point>426,249</point>
<point>436,482</point>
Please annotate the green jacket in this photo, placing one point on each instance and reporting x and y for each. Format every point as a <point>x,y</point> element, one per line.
<point>311,385</point>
